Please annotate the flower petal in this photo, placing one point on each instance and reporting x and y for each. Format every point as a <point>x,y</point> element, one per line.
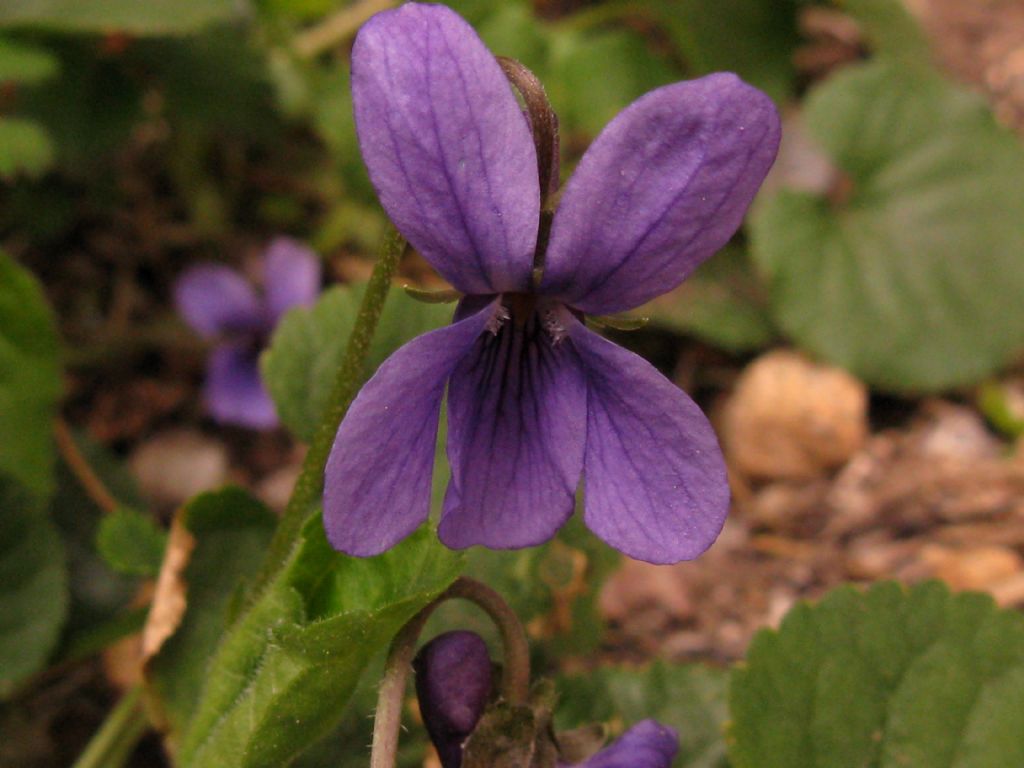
<point>447,147</point>
<point>234,392</point>
<point>516,430</point>
<point>377,481</point>
<point>648,744</point>
<point>655,484</point>
<point>662,188</point>
<point>291,276</point>
<point>214,299</point>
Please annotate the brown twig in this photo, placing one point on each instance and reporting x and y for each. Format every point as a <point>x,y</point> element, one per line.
<point>80,468</point>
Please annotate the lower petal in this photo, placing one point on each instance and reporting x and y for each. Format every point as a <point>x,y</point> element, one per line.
<point>377,480</point>
<point>234,392</point>
<point>516,430</point>
<point>655,485</point>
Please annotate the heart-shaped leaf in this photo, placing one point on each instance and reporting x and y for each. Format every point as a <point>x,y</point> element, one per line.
<point>884,679</point>
<point>910,273</point>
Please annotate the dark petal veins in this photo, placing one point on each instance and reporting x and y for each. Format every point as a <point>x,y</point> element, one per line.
<point>516,430</point>
<point>663,187</point>
<point>655,485</point>
<point>377,480</point>
<point>447,147</point>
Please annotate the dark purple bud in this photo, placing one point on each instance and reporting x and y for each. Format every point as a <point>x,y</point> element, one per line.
<point>648,744</point>
<point>453,684</point>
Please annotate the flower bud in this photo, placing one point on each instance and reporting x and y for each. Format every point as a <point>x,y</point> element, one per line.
<point>453,684</point>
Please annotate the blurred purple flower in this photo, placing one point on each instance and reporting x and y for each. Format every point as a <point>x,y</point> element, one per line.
<point>535,399</point>
<point>221,305</point>
<point>453,683</point>
<point>648,744</point>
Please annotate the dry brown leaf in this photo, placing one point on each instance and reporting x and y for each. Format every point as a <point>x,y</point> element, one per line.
<point>170,598</point>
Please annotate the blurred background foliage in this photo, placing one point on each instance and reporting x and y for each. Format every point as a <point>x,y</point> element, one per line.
<point>137,137</point>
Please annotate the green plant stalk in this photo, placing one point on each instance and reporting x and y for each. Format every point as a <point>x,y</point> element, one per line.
<point>349,377</point>
<point>113,743</point>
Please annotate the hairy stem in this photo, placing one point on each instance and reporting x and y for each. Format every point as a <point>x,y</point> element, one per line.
<point>515,683</point>
<point>349,377</point>
<point>113,743</point>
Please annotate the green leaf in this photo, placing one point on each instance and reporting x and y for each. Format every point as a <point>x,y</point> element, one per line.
<point>308,346</point>
<point>131,542</point>
<point>33,584</point>
<point>753,38</point>
<point>886,678</point>
<point>89,110</point>
<point>689,697</point>
<point>721,303</point>
<point>153,17</point>
<point>592,76</point>
<point>1002,404</point>
<point>912,278</point>
<point>30,380</point>
<point>25,148</point>
<point>281,676</point>
<point>891,30</point>
<point>231,532</point>
<point>24,63</point>
<point>211,82</point>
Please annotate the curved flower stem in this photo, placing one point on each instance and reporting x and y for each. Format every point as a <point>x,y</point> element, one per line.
<point>543,123</point>
<point>310,484</point>
<point>113,743</point>
<point>515,682</point>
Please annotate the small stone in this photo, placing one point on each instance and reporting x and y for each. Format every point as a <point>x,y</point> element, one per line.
<point>1009,592</point>
<point>973,568</point>
<point>955,432</point>
<point>638,585</point>
<point>175,465</point>
<point>790,418</point>
<point>276,488</point>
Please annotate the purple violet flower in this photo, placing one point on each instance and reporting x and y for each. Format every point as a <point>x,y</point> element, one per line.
<point>221,305</point>
<point>648,744</point>
<point>453,684</point>
<point>535,399</point>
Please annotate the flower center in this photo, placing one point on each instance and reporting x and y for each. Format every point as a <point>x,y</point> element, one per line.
<point>532,314</point>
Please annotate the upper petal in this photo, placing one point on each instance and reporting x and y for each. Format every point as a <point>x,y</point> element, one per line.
<point>291,276</point>
<point>648,744</point>
<point>447,147</point>
<point>516,430</point>
<point>234,392</point>
<point>377,480</point>
<point>216,299</point>
<point>662,188</point>
<point>654,478</point>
